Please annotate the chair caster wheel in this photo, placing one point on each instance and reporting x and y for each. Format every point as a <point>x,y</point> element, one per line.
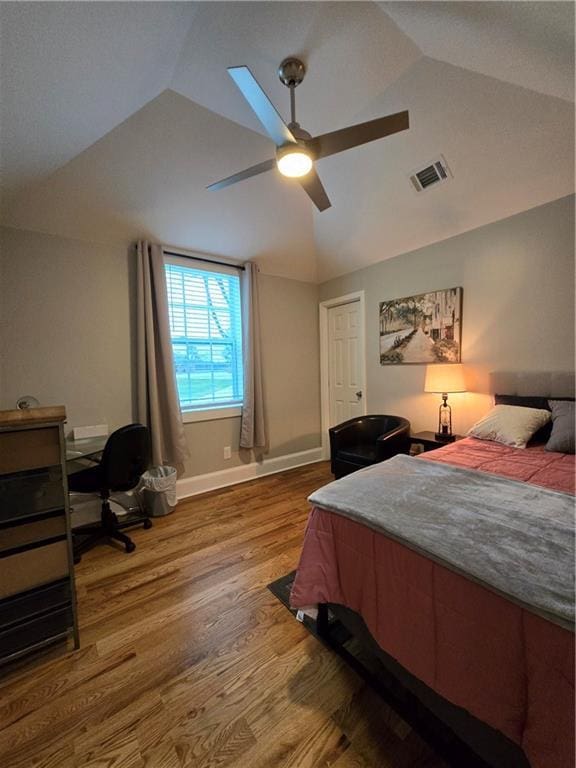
<point>147,524</point>
<point>130,547</point>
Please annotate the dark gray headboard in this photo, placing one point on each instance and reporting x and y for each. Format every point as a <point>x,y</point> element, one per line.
<point>541,383</point>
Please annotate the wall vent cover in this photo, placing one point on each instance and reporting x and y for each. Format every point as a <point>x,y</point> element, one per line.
<point>430,175</point>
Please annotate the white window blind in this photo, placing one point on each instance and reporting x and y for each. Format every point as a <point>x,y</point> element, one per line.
<point>206,331</point>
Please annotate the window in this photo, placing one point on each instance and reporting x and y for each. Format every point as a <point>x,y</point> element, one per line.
<point>206,331</point>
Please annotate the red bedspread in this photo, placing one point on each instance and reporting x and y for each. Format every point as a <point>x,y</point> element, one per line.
<point>532,465</point>
<point>505,665</point>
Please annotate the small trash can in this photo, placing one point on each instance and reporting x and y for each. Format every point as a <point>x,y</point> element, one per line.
<point>157,491</point>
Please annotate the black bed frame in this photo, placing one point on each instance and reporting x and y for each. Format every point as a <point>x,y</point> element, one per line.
<point>458,737</point>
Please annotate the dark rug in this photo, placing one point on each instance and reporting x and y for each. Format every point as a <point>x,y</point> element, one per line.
<point>281,589</point>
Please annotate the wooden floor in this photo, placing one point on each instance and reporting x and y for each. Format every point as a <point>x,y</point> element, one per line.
<point>187,660</point>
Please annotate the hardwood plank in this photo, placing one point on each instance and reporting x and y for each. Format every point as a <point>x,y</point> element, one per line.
<point>321,747</point>
<point>163,756</point>
<point>61,756</point>
<point>208,567</point>
<point>187,659</point>
<point>351,759</point>
<point>126,754</point>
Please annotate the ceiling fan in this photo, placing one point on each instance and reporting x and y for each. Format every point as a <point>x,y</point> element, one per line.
<point>296,150</point>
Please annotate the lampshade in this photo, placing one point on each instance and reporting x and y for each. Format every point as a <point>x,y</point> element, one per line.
<point>293,162</point>
<point>445,378</point>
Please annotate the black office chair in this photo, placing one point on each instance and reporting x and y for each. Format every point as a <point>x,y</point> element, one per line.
<point>126,455</point>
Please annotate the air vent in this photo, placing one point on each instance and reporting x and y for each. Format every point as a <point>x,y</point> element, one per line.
<point>432,174</point>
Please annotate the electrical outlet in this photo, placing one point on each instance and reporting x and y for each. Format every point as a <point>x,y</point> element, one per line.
<point>227,452</point>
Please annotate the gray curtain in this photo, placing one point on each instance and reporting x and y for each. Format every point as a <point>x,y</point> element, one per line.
<point>158,404</point>
<point>253,427</point>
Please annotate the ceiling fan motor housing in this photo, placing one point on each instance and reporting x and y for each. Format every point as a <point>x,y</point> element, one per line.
<point>291,72</point>
<point>299,134</point>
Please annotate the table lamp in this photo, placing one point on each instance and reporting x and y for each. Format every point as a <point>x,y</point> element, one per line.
<point>444,379</point>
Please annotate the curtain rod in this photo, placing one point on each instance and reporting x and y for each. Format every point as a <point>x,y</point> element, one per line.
<point>208,261</point>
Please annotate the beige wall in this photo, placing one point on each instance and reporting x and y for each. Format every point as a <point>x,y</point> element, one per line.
<point>518,308</point>
<point>290,353</point>
<point>66,317</point>
<point>66,326</point>
<point>66,314</point>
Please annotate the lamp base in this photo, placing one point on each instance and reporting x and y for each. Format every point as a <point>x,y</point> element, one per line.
<point>443,438</point>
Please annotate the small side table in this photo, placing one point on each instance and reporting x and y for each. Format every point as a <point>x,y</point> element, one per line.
<point>430,441</point>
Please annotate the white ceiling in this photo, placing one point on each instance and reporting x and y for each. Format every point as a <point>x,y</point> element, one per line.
<point>147,178</point>
<point>115,116</point>
<point>509,150</point>
<point>353,52</point>
<point>73,71</point>
<point>526,43</point>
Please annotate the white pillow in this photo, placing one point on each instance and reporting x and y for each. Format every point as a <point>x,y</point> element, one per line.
<point>510,424</point>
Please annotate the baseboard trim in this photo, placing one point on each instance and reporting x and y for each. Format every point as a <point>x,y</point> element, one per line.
<point>192,486</point>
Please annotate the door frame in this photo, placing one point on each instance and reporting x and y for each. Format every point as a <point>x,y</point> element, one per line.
<point>323,307</point>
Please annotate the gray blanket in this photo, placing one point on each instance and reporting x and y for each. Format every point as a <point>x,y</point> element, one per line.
<point>515,538</point>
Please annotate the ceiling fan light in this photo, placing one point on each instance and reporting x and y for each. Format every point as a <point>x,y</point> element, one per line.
<point>294,164</point>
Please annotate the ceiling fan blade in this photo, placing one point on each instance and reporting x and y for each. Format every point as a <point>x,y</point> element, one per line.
<point>354,135</point>
<point>267,165</point>
<point>313,187</point>
<point>264,109</point>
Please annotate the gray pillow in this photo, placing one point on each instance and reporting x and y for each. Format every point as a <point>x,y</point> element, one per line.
<point>562,437</point>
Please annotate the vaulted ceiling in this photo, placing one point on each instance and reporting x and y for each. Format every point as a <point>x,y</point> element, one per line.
<point>115,117</point>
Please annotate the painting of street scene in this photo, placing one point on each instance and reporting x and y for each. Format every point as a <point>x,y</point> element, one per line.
<point>421,329</point>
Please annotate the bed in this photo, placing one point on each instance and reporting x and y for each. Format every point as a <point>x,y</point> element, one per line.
<point>473,611</point>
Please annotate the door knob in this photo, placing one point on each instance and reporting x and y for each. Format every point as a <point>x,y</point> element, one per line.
<point>359,394</point>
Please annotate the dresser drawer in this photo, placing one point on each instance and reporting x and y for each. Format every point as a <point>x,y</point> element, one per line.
<point>29,449</point>
<point>38,566</point>
<point>31,533</point>
<point>36,632</point>
<point>34,603</point>
<point>26,493</point>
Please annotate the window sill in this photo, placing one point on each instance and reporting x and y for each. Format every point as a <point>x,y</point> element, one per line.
<point>212,414</point>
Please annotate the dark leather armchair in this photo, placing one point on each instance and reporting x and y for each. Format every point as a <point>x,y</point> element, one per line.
<point>366,440</point>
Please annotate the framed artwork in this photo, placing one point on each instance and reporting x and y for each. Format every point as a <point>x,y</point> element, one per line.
<point>422,329</point>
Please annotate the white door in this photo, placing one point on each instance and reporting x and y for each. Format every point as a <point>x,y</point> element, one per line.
<point>345,362</point>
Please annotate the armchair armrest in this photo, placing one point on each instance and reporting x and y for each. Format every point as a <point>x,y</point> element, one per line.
<point>342,436</point>
<point>402,429</point>
<point>395,441</point>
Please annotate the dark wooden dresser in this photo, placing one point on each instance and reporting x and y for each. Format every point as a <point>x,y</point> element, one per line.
<point>37,597</point>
